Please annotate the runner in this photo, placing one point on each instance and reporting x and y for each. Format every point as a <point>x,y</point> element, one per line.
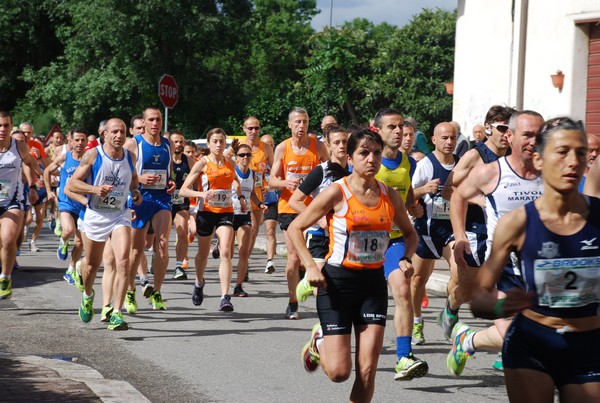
<point>462,277</point>
<point>270,217</point>
<point>508,183</point>
<point>552,342</point>
<point>69,210</point>
<point>352,291</point>
<point>215,175</point>
<point>319,179</point>
<point>13,156</point>
<point>182,165</point>
<point>110,169</point>
<point>242,222</point>
<point>294,158</point>
<point>153,155</point>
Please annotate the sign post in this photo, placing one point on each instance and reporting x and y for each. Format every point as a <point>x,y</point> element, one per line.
<point>168,91</point>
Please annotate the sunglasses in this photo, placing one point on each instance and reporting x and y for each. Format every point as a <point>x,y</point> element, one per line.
<point>244,155</point>
<point>257,128</point>
<point>502,128</point>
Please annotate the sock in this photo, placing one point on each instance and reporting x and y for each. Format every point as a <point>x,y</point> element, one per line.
<point>4,276</point>
<point>71,269</point>
<point>403,348</point>
<point>449,311</point>
<point>197,284</point>
<point>178,263</point>
<point>468,344</point>
<point>318,343</point>
<point>417,320</point>
<point>87,296</point>
<point>143,279</point>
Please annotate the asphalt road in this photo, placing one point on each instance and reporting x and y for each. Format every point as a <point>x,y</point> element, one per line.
<point>197,354</point>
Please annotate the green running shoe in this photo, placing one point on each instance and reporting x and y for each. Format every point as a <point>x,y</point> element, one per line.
<point>5,288</point>
<point>410,367</point>
<point>106,312</point>
<point>498,363</point>
<point>457,357</point>
<point>418,338</point>
<point>303,290</point>
<point>86,310</point>
<point>310,353</point>
<point>117,322</point>
<point>447,321</point>
<point>157,301</point>
<point>130,303</point>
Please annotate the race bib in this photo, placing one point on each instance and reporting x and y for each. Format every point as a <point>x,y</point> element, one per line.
<point>114,201</point>
<point>567,282</point>
<point>367,246</point>
<point>162,181</point>
<point>258,179</point>
<point>5,188</point>
<point>176,199</point>
<point>221,198</point>
<point>441,208</point>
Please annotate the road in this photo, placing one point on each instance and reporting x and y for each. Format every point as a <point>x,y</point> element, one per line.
<point>197,354</point>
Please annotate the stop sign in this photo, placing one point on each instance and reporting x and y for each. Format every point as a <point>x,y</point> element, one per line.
<point>168,91</point>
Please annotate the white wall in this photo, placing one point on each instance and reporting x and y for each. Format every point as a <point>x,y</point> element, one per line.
<point>487,57</point>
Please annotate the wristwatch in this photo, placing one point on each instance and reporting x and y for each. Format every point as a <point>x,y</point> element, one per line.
<point>405,258</point>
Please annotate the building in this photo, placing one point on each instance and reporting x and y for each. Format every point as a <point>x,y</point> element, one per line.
<point>507,51</point>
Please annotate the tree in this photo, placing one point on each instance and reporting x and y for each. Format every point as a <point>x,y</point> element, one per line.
<point>411,68</point>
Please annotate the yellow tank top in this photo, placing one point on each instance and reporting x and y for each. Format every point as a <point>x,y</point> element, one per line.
<point>398,179</point>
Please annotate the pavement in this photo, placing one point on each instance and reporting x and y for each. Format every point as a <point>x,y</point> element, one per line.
<point>43,379</point>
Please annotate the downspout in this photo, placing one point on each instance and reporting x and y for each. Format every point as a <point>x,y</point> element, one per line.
<point>522,53</point>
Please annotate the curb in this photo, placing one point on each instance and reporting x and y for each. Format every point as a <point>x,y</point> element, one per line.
<point>107,390</point>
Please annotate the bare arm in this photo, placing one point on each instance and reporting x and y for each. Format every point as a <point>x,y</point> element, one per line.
<point>77,182</point>
<point>460,172</point>
<point>58,162</point>
<point>592,182</point>
<point>187,189</point>
<point>509,236</point>
<point>297,201</point>
<point>275,179</point>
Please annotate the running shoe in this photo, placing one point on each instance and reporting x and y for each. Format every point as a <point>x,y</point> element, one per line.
<point>291,311</point>
<point>418,338</point>
<point>238,291</point>
<point>157,301</point>
<point>33,247</point>
<point>226,305</point>
<point>130,303</point>
<point>179,274</point>
<point>147,289</point>
<point>215,251</point>
<point>198,294</point>
<point>310,353</point>
<point>457,357</point>
<point>303,290</point>
<point>5,288</point>
<point>78,278</point>
<point>447,321</point>
<point>68,276</point>
<point>117,322</point>
<point>52,223</point>
<point>497,364</point>
<point>63,250</point>
<point>270,267</point>
<point>425,302</point>
<point>86,310</point>
<point>106,312</point>
<point>410,367</point>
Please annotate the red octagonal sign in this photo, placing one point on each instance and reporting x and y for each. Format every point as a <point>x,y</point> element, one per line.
<point>168,91</point>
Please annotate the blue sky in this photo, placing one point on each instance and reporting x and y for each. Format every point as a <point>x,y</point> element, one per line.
<point>396,12</point>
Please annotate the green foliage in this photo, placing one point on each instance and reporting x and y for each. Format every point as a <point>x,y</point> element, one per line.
<point>78,62</point>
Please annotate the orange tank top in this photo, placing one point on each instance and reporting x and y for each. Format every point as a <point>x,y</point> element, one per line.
<point>259,165</point>
<point>296,166</point>
<point>359,235</point>
<point>218,179</point>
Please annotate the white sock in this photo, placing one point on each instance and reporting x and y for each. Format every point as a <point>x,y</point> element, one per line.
<point>4,276</point>
<point>87,296</point>
<point>71,269</point>
<point>178,263</point>
<point>318,343</point>
<point>468,344</point>
<point>417,320</point>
